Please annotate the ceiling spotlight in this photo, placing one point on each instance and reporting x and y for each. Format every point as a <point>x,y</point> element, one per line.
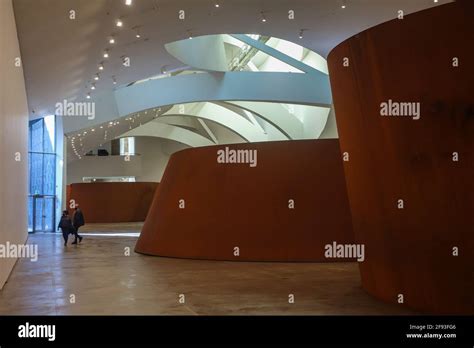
<point>137,35</point>
<point>101,66</point>
<point>106,54</point>
<point>88,96</point>
<point>301,34</point>
<point>96,77</point>
<point>119,23</point>
<point>93,86</point>
<point>264,19</point>
<point>114,80</point>
<point>190,34</point>
<point>216,5</point>
<point>128,2</point>
<point>111,41</point>
<point>343,4</point>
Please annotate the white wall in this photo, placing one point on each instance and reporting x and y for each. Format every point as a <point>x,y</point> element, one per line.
<point>330,131</point>
<point>224,135</point>
<point>169,147</point>
<point>153,159</point>
<point>103,166</point>
<point>60,160</point>
<point>202,52</point>
<point>13,139</point>
<point>149,166</point>
<point>155,154</point>
<point>105,110</point>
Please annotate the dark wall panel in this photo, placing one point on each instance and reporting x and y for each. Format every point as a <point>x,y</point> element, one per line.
<point>113,202</point>
<point>234,205</point>
<point>410,251</point>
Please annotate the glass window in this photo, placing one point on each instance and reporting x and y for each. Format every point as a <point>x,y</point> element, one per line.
<point>49,177</point>
<point>30,215</point>
<point>42,175</point>
<point>38,214</point>
<point>36,139</point>
<point>48,134</point>
<point>48,222</point>
<point>127,146</point>
<point>36,174</point>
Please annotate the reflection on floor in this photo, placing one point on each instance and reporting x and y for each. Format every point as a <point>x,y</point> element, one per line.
<point>103,280</point>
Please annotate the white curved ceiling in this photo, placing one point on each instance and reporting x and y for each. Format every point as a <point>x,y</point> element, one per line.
<point>61,55</point>
<point>166,131</point>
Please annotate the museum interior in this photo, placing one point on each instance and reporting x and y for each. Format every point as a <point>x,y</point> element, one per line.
<point>229,157</point>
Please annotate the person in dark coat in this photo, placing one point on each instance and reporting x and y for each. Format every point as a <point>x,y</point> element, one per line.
<point>78,221</point>
<point>65,224</point>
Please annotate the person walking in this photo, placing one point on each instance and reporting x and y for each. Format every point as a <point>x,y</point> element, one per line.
<point>78,221</point>
<point>65,224</point>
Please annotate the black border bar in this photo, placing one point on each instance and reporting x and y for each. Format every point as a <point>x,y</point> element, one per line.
<point>158,330</point>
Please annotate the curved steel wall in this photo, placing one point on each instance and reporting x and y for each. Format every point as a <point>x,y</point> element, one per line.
<point>409,251</point>
<point>109,202</point>
<point>234,205</point>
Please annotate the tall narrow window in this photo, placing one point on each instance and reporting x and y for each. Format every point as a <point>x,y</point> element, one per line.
<point>127,146</point>
<point>42,175</point>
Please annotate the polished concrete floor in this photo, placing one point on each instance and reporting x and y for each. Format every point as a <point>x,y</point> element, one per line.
<point>103,280</point>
